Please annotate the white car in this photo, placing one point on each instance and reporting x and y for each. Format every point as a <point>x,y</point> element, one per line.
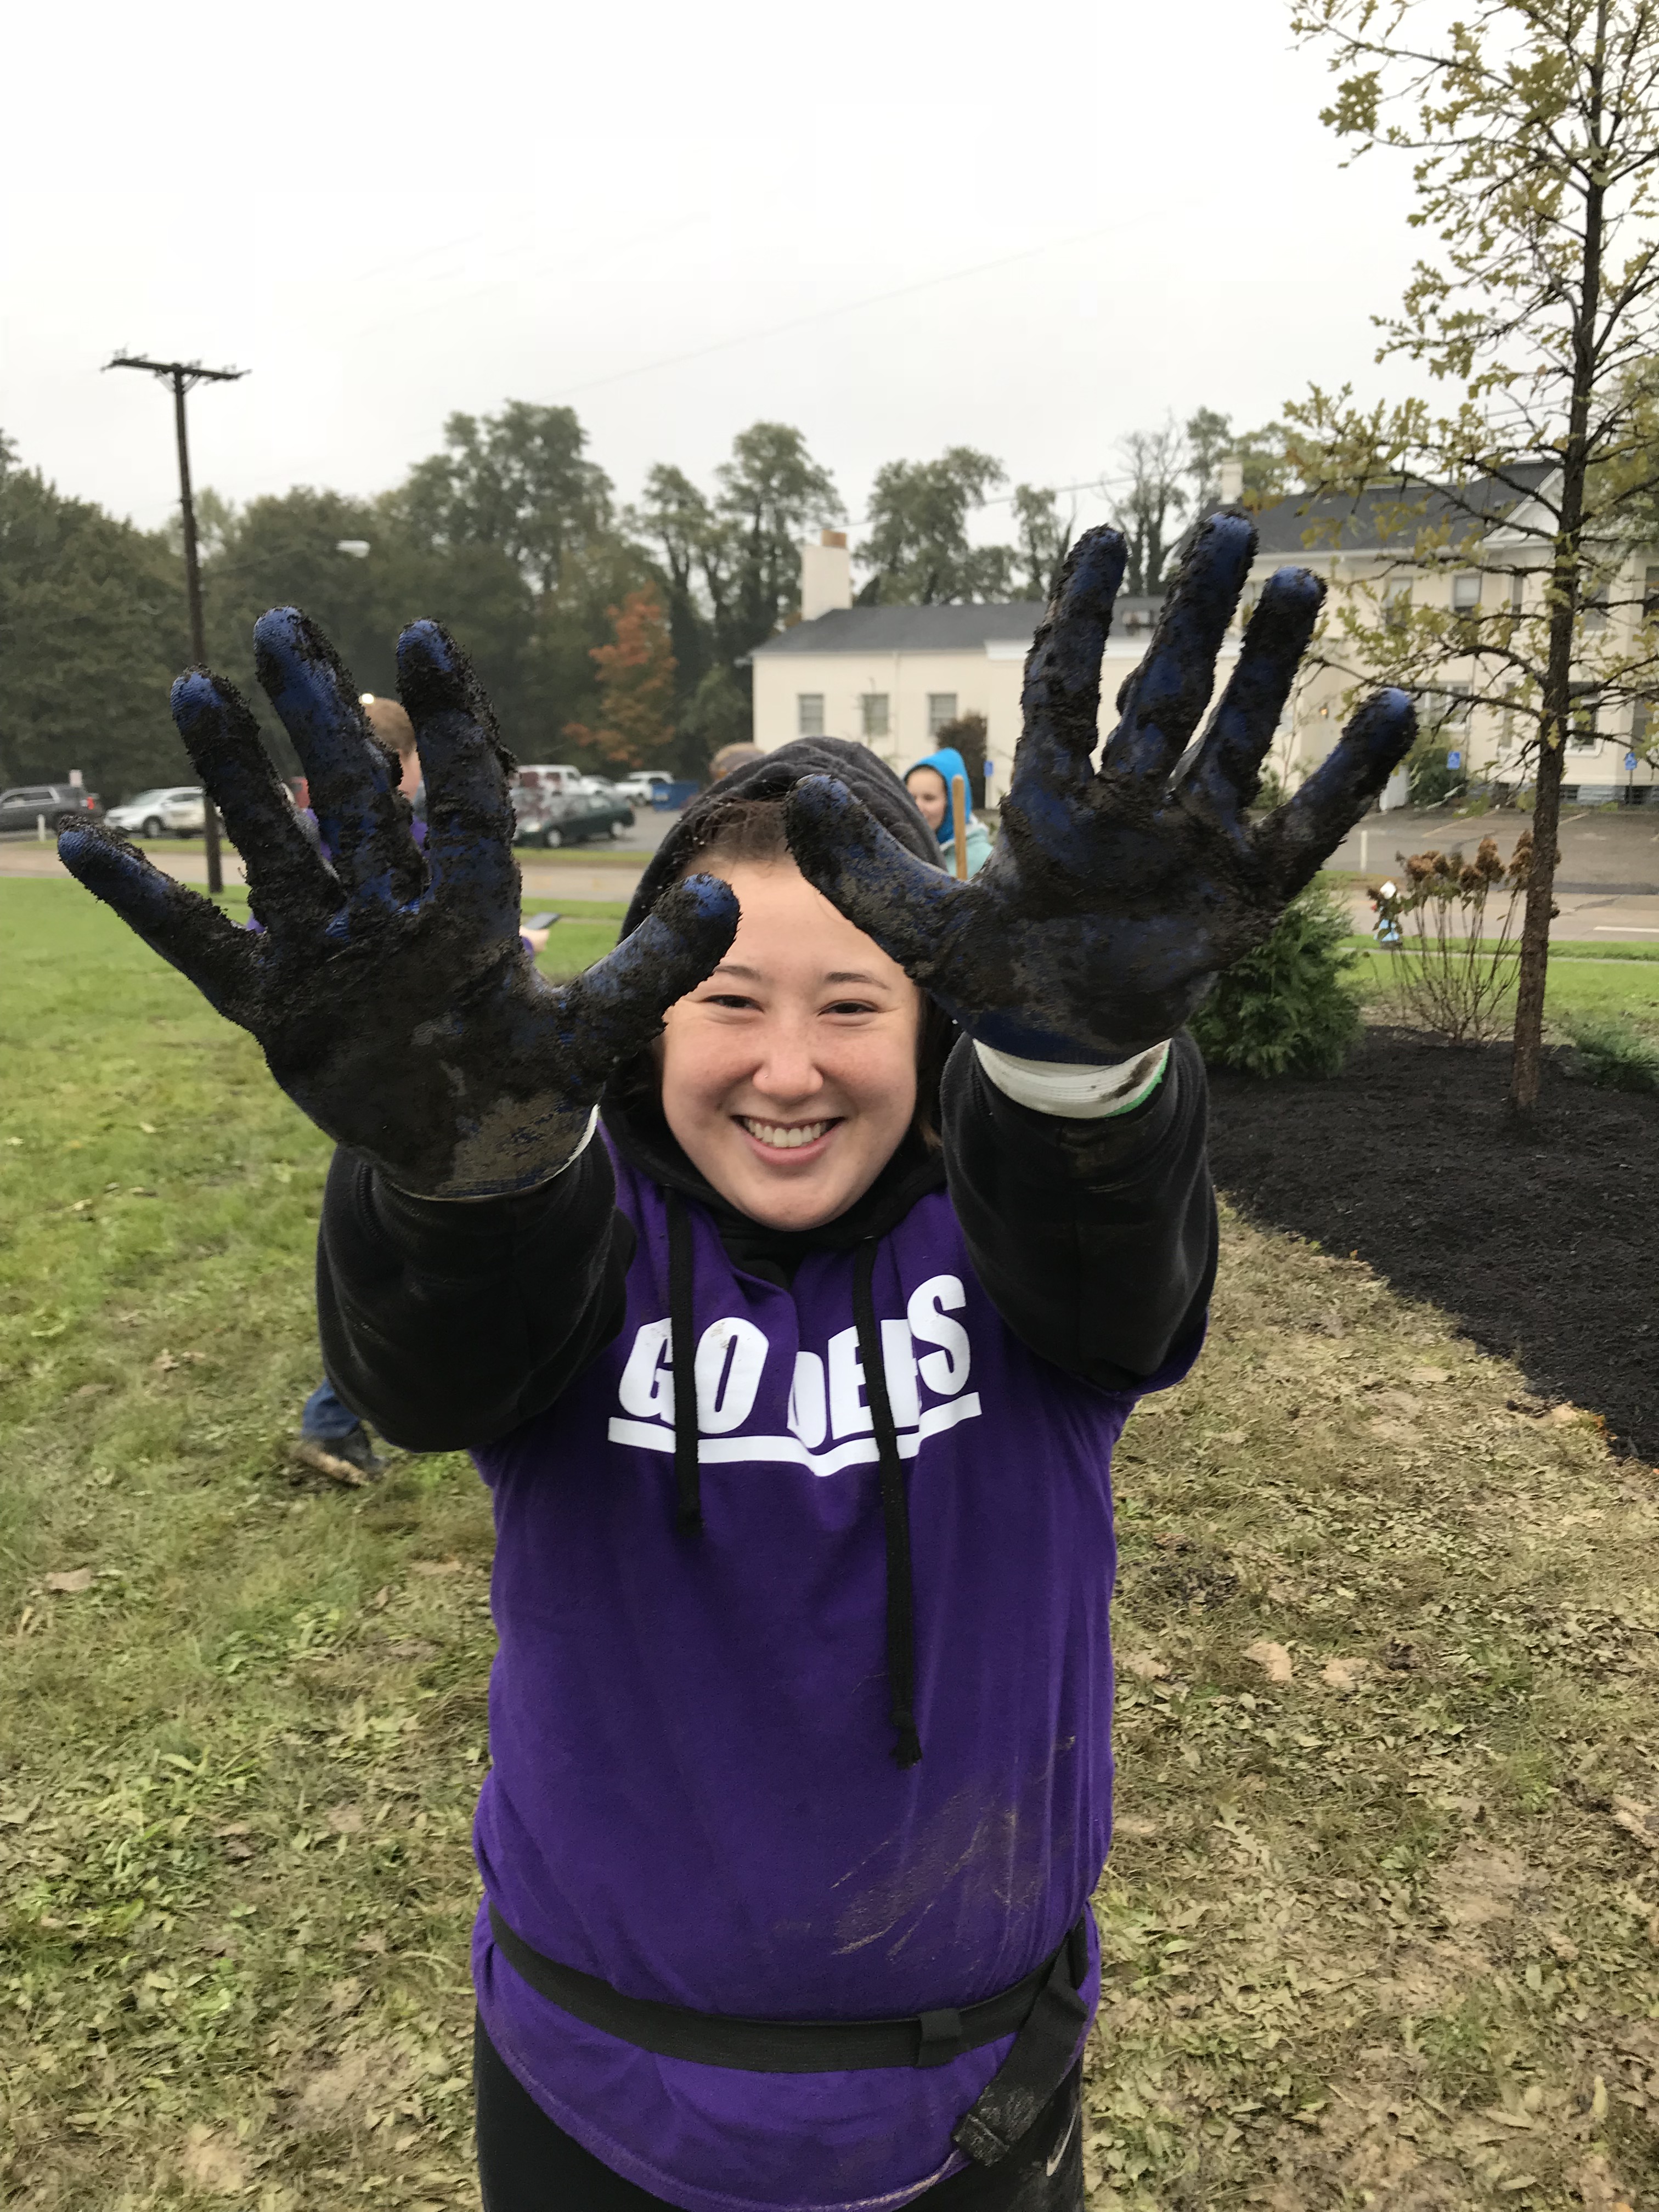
<point>175,811</point>
<point>641,787</point>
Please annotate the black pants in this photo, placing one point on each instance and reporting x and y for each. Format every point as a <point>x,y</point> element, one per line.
<point>526,2162</point>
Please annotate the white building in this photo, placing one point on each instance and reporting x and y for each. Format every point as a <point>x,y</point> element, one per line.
<point>892,677</point>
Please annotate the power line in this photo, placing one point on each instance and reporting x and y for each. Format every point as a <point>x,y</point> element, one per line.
<point>824,314</point>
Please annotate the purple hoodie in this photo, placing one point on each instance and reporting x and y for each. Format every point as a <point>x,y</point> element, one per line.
<point>694,1794</point>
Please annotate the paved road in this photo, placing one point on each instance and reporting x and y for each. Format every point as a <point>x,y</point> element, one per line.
<point>1609,876</point>
<point>610,874</point>
<point>1601,851</point>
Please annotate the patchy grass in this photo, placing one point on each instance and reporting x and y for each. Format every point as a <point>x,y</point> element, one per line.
<point>1380,1923</point>
<point>1377,1927</point>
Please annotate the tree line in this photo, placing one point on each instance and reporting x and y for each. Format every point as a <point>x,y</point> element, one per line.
<point>611,635</point>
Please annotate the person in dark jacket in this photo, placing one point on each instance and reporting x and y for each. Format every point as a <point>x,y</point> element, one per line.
<point>790,1276</point>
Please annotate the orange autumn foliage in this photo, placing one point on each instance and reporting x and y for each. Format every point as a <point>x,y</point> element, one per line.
<point>636,727</point>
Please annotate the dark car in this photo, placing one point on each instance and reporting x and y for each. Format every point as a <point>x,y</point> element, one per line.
<point>573,818</point>
<point>61,805</point>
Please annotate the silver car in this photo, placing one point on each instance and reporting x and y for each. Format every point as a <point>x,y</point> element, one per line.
<point>175,811</point>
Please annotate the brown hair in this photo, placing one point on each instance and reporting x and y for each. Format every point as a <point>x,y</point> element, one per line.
<point>751,832</point>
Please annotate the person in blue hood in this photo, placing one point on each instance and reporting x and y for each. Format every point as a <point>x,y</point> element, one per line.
<point>929,784</point>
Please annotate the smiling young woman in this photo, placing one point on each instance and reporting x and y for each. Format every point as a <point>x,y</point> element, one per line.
<point>793,1353</point>
<point>789,1079</point>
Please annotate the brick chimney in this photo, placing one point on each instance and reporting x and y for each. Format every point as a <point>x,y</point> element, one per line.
<point>826,575</point>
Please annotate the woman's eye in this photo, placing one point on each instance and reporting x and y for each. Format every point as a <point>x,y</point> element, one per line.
<point>850,1006</point>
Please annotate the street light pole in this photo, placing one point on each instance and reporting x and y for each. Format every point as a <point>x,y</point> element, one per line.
<point>182,376</point>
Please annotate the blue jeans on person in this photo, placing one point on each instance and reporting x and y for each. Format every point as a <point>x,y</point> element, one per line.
<point>325,1420</point>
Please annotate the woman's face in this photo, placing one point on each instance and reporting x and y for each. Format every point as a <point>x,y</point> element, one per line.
<point>927,786</point>
<point>789,1078</point>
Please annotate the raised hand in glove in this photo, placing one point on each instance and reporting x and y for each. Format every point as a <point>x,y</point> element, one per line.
<point>390,990</point>
<point>1115,894</point>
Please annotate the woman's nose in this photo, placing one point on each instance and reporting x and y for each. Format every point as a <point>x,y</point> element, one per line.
<point>787,1069</point>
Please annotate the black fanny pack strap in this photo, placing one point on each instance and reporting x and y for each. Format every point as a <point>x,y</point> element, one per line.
<point>1044,2032</point>
<point>1039,2062</point>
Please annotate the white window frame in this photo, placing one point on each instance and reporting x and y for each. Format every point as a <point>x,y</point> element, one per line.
<point>808,713</point>
<point>937,718</point>
<point>875,714</point>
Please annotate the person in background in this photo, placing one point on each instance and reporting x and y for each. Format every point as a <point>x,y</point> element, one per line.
<point>731,756</point>
<point>929,784</point>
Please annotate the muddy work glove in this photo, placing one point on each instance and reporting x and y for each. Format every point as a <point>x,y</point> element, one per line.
<point>1116,893</point>
<point>389,989</point>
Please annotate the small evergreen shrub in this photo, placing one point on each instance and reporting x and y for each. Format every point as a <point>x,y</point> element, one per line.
<point>1610,1053</point>
<point>1287,1008</point>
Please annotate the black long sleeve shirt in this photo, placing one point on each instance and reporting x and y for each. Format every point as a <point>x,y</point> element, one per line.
<point>448,1325</point>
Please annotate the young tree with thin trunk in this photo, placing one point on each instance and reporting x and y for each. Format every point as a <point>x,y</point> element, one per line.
<point>1533,127</point>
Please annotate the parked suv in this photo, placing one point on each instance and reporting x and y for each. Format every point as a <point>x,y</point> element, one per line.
<point>62,804</point>
<point>176,810</point>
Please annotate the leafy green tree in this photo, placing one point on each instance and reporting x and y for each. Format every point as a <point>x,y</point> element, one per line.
<point>1211,439</point>
<point>770,493</point>
<point>918,544</point>
<point>719,712</point>
<point>284,550</point>
<point>677,522</point>
<point>517,482</point>
<point>1533,126</point>
<point>93,629</point>
<point>1042,539</point>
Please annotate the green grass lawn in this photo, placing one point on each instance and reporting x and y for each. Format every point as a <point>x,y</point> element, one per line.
<point>1381,1924</point>
<point>1584,979</point>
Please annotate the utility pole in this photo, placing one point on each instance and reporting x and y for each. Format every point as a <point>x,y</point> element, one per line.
<point>182,376</point>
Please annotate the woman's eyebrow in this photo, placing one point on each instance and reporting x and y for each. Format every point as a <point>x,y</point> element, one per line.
<point>853,976</point>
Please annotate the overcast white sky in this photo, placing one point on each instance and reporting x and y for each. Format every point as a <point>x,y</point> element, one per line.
<point>387,214</point>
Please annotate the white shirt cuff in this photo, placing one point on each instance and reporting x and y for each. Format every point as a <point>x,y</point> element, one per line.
<point>1075,1093</point>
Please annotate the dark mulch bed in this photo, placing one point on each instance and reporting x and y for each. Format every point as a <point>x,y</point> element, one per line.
<point>1543,1247</point>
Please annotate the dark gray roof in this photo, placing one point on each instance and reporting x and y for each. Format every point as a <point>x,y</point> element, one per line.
<point>932,629</point>
<point>1388,515</point>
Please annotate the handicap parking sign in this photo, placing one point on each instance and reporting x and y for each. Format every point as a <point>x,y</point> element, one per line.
<point>1630,762</point>
<point>1453,760</point>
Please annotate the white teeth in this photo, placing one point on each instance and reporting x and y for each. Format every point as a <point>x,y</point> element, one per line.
<point>781,1136</point>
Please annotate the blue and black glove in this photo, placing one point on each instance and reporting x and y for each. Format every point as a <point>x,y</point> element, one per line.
<point>1115,894</point>
<point>390,990</point>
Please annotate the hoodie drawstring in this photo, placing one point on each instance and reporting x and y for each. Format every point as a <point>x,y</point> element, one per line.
<point>683,1354</point>
<point>895,1490</point>
<point>894,1514</point>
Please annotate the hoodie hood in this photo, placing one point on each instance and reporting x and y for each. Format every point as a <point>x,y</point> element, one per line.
<point>947,762</point>
<point>632,1109</point>
<point>771,776</point>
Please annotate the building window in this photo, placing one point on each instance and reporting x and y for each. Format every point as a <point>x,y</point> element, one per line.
<point>1586,702</point>
<point>1397,608</point>
<point>1465,592</point>
<point>808,713</point>
<point>873,707</point>
<point>1594,609</point>
<point>1445,713</point>
<point>941,709</point>
<point>1651,596</point>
